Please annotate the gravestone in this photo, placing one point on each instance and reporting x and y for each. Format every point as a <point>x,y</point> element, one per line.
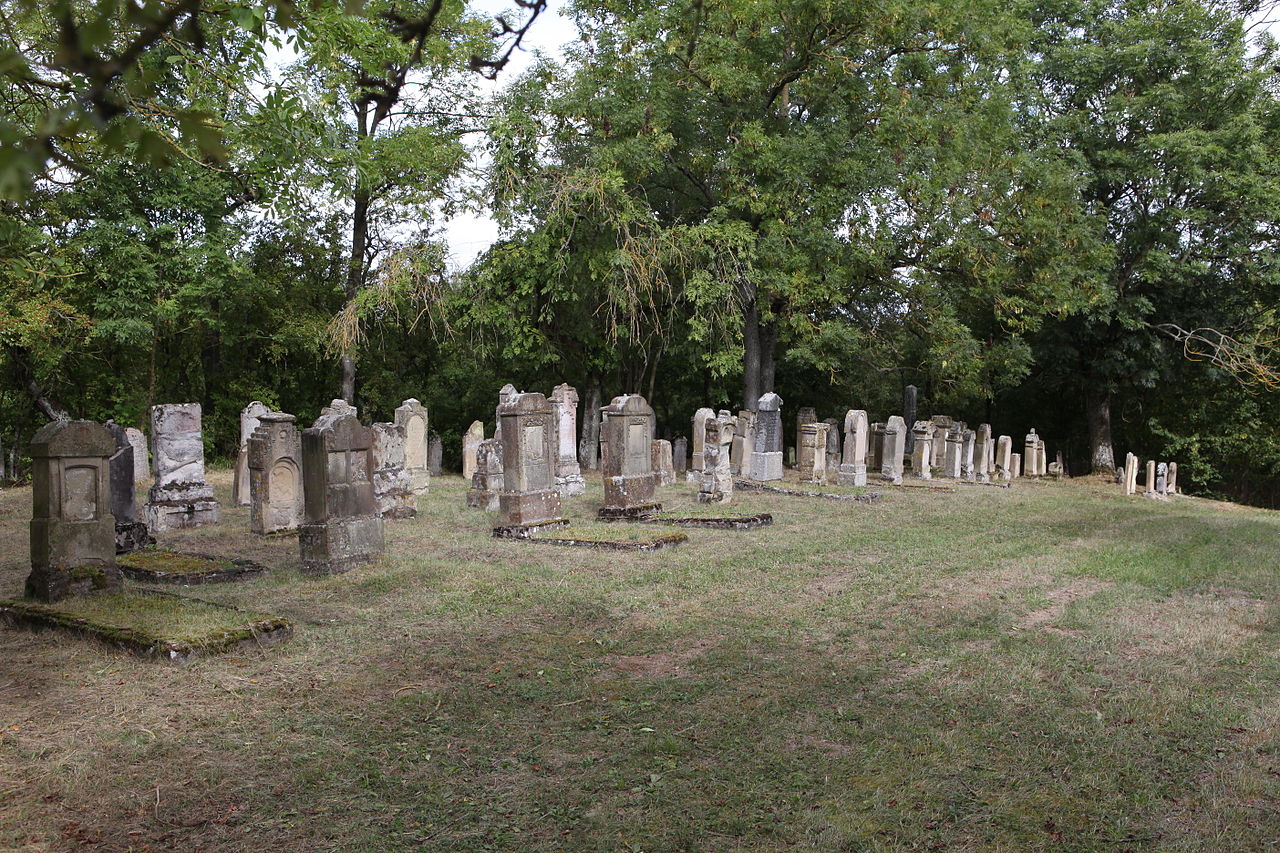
<point>717,469</point>
<point>1150,482</point>
<point>73,534</point>
<point>1004,457</point>
<point>766,454</point>
<point>942,424</point>
<point>1130,474</point>
<point>875,452</point>
<point>275,475</point>
<point>249,416</point>
<point>342,525</point>
<point>179,497</point>
<point>505,393</point>
<point>141,461</point>
<point>909,416</point>
<point>893,451</point>
<point>699,434</point>
<point>982,454</point>
<point>471,448</point>
<point>392,487</point>
<point>529,499</point>
<point>628,470</point>
<point>486,482</point>
<point>833,447</point>
<point>435,455</point>
<point>412,416</point>
<point>853,460</point>
<point>680,455</point>
<point>805,415</point>
<point>955,448</point>
<point>1031,455</point>
<point>339,407</point>
<point>663,466</point>
<point>744,432</point>
<point>1042,461</point>
<point>921,453</point>
<point>812,452</point>
<point>968,439</point>
<point>1173,478</point>
<point>131,534</point>
<point>564,404</point>
<point>1016,465</point>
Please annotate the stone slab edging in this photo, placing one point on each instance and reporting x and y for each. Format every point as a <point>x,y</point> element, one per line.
<point>753,486</point>
<point>740,522</point>
<point>658,544</point>
<point>242,570</point>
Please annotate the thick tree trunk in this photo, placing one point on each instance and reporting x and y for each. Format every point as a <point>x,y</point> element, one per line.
<point>52,409</point>
<point>589,443</point>
<point>1098,413</point>
<point>356,263</point>
<point>751,357</point>
<point>768,356</point>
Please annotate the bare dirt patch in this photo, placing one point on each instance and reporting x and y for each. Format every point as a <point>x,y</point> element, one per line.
<point>656,664</point>
<point>1059,599</point>
<point>1211,622</point>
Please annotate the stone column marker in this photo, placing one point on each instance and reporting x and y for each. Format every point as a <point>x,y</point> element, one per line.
<point>249,418</point>
<point>141,460</point>
<point>853,460</point>
<point>766,457</point>
<point>471,448</point>
<point>564,404</point>
<point>179,497</point>
<point>717,469</point>
<point>922,452</point>
<point>699,435</point>
<point>895,446</point>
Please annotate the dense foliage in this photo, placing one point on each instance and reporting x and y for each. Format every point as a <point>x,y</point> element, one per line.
<point>1061,214</point>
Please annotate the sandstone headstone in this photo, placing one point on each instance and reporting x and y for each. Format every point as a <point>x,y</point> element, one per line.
<point>982,454</point>
<point>1150,483</point>
<point>339,407</point>
<point>179,497</point>
<point>342,526</point>
<point>131,534</point>
<point>471,448</point>
<point>744,433</point>
<point>680,455</point>
<point>73,534</point>
<point>875,451</point>
<point>435,455</point>
<point>1004,457</point>
<point>412,416</point>
<point>486,481</point>
<point>922,450</point>
<point>1042,460</point>
<point>895,446</point>
<point>812,453</point>
<point>853,461</point>
<point>505,393</point>
<point>717,473</point>
<point>275,475</point>
<point>1016,463</point>
<point>628,471</point>
<point>663,465</point>
<point>942,424</point>
<point>909,415</point>
<point>699,434</point>
<point>141,462</point>
<point>564,403</point>
<point>530,497</point>
<point>1173,478</point>
<point>1031,455</point>
<point>805,415</point>
<point>766,455</point>
<point>833,447</point>
<point>392,487</point>
<point>1130,474</point>
<point>968,440</point>
<point>249,416</point>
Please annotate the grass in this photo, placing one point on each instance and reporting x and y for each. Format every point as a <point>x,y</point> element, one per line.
<point>170,562</point>
<point>1049,667</point>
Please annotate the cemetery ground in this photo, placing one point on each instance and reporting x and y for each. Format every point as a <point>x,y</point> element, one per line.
<point>1053,666</point>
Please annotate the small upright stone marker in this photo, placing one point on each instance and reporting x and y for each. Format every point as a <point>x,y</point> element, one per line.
<point>249,418</point>
<point>391,484</point>
<point>909,415</point>
<point>853,461</point>
<point>942,425</point>
<point>1016,465</point>
<point>343,526</point>
<point>833,447</point>
<point>530,499</point>
<point>922,450</point>
<point>805,415</point>
<point>275,475</point>
<point>744,434</point>
<point>812,452</point>
<point>663,466</point>
<point>680,455</point>
<point>471,448</point>
<point>486,482</point>
<point>968,441</point>
<point>628,470</point>
<point>1004,458</point>
<point>564,403</point>
<point>875,450</point>
<point>1031,455</point>
<point>131,534</point>
<point>1162,478</point>
<point>895,445</point>
<point>699,435</point>
<point>1173,478</point>
<point>412,416</point>
<point>435,455</point>
<point>141,464</point>
<point>717,473</point>
<point>766,456</point>
<point>73,534</point>
<point>180,497</point>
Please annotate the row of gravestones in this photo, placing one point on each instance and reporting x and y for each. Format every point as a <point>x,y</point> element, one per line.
<point>334,482</point>
<point>1161,481</point>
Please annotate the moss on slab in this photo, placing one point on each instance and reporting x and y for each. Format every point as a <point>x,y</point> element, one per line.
<point>155,565</point>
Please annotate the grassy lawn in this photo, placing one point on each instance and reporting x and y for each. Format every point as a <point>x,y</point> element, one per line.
<point>1053,666</point>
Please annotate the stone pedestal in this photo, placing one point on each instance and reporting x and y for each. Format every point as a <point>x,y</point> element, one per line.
<point>275,475</point>
<point>411,416</point>
<point>564,406</point>
<point>343,527</point>
<point>922,450</point>
<point>812,452</point>
<point>853,460</point>
<point>628,469</point>
<point>179,497</point>
<point>73,534</point>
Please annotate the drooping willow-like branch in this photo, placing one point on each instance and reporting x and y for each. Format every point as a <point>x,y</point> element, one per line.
<point>1246,360</point>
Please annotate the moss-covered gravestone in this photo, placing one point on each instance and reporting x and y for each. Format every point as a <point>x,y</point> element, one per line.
<point>530,499</point>
<point>73,534</point>
<point>628,468</point>
<point>343,526</point>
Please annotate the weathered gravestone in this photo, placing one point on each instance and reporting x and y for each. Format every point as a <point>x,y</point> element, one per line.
<point>392,488</point>
<point>275,475</point>
<point>564,404</point>
<point>486,482</point>
<point>875,451</point>
<point>894,449</point>
<point>435,455</point>
<point>1173,478</point>
<point>530,499</point>
<point>766,455</point>
<point>806,415</point>
<point>471,448</point>
<point>1042,461</point>
<point>343,526</point>
<point>833,447</point>
<point>982,453</point>
<point>968,440</point>
<point>249,418</point>
<point>411,416</point>
<point>1031,455</point>
<point>1004,457</point>
<point>942,424</point>
<point>955,448</point>
<point>909,416</point>
<point>1015,465</point>
<point>179,497</point>
<point>131,534</point>
<point>717,468</point>
<point>699,435</point>
<point>812,452</point>
<point>141,461</point>
<point>663,466</point>
<point>680,455</point>
<point>1150,482</point>
<point>744,433</point>
<point>628,468</point>
<point>853,460</point>
<point>505,393</point>
<point>922,450</point>
<point>1130,474</point>
<point>73,534</point>
<point>339,407</point>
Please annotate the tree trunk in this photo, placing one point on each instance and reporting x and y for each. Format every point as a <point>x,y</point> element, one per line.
<point>1098,413</point>
<point>751,357</point>
<point>52,409</point>
<point>356,263</point>
<point>589,444</point>
<point>768,356</point>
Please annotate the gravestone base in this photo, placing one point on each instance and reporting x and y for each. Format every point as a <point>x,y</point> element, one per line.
<point>693,476</point>
<point>52,579</point>
<point>613,513</point>
<point>526,531</point>
<point>486,499</point>
<point>766,466</point>
<point>571,484</point>
<point>525,508</point>
<point>628,491</point>
<point>852,475</point>
<point>333,547</point>
<point>894,478</point>
<point>52,584</point>
<point>176,515</point>
<point>132,536</point>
